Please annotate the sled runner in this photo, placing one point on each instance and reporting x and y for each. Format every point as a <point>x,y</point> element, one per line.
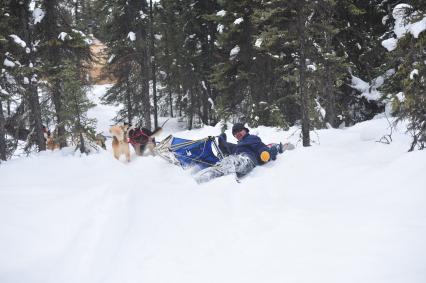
<point>189,153</point>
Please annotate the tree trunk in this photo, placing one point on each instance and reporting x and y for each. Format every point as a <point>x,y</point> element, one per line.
<point>180,100</point>
<point>168,72</point>
<point>302,77</point>
<point>190,109</point>
<point>2,133</point>
<point>145,73</point>
<point>54,58</point>
<point>146,105</point>
<point>153,63</point>
<point>330,116</point>
<point>170,100</point>
<point>31,88</point>
<point>82,143</point>
<point>205,107</point>
<point>129,102</point>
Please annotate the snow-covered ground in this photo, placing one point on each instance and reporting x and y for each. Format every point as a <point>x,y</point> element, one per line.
<point>347,209</point>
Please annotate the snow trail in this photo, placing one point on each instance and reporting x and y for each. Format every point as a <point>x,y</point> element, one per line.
<point>347,210</point>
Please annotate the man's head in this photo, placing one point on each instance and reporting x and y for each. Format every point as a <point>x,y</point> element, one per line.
<point>239,131</point>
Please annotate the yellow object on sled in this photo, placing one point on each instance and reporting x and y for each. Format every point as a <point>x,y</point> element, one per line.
<point>265,156</point>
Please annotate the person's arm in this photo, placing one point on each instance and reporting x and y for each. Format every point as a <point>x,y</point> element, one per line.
<point>227,148</point>
<point>258,147</point>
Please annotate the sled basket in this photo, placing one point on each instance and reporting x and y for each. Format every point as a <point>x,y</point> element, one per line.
<point>188,153</point>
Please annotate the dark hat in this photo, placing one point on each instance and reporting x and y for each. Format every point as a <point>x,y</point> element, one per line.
<point>238,127</point>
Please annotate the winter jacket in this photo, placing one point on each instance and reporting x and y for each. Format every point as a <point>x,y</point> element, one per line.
<point>250,145</point>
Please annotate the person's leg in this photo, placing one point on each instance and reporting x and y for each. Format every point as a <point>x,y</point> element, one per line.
<point>238,164</point>
<point>241,165</point>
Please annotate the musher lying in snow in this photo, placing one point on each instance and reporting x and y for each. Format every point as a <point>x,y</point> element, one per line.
<point>240,158</point>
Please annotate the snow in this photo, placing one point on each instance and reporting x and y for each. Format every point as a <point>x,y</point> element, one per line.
<point>210,100</point>
<point>63,35</point>
<point>369,90</point>
<point>18,40</point>
<point>3,91</point>
<point>234,51</point>
<point>8,63</point>
<point>221,13</point>
<point>390,44</point>
<point>311,67</point>
<point>348,210</point>
<point>238,21</point>
<point>142,15</point>
<point>413,73</point>
<point>132,36</point>
<point>401,28</point>
<point>38,15</point>
<point>400,96</point>
<point>320,109</point>
<point>220,28</point>
<point>418,27</point>
<point>86,39</point>
<point>258,42</point>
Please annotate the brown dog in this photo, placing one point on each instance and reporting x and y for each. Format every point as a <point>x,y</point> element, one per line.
<point>50,141</point>
<point>119,141</point>
<point>51,144</point>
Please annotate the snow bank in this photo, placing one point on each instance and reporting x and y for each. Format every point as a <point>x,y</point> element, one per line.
<point>349,210</point>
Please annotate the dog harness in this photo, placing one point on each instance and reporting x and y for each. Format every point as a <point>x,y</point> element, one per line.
<point>132,141</point>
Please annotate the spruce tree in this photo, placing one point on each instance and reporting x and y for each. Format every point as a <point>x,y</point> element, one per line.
<point>242,72</point>
<point>79,127</point>
<point>407,86</point>
<point>125,31</point>
<point>285,35</point>
<point>360,44</point>
<point>21,73</point>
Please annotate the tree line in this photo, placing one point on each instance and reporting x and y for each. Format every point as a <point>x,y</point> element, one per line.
<point>274,63</point>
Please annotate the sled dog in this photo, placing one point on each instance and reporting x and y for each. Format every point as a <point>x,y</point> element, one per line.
<point>120,144</point>
<point>50,141</point>
<point>143,139</point>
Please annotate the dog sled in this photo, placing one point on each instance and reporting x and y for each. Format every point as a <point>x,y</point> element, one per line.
<point>200,153</point>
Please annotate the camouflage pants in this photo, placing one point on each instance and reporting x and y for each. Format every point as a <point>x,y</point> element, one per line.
<point>239,164</point>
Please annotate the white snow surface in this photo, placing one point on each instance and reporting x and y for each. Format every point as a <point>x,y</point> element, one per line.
<point>348,209</point>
